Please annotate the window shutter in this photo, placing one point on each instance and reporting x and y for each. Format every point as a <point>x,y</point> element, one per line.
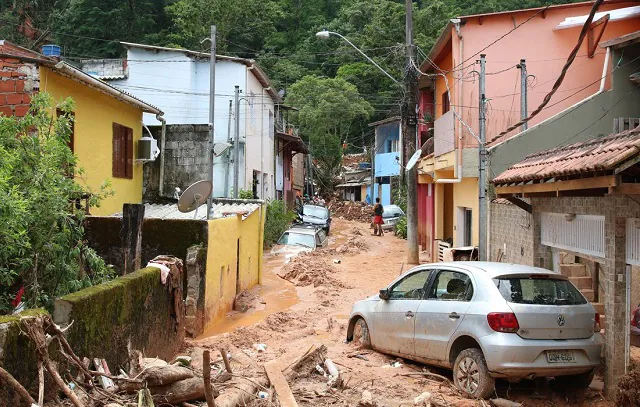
<point>118,147</point>
<point>128,136</point>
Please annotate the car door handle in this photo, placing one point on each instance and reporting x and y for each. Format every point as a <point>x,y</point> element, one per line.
<point>409,314</point>
<point>454,315</point>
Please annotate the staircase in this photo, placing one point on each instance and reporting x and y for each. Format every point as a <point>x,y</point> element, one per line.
<point>578,275</point>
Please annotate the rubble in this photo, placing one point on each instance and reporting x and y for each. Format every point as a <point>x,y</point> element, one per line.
<point>310,269</point>
<point>629,389</point>
<point>355,211</point>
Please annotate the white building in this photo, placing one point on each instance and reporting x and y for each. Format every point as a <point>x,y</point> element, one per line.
<point>177,81</point>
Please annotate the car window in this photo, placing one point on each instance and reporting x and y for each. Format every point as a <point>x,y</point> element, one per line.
<point>451,286</point>
<point>297,239</point>
<point>410,287</point>
<point>315,212</point>
<point>322,235</point>
<point>539,291</point>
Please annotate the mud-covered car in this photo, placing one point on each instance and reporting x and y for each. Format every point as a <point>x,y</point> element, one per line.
<point>299,239</point>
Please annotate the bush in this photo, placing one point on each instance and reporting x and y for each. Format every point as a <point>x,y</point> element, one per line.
<point>245,194</point>
<point>278,220</point>
<point>401,228</point>
<point>400,197</point>
<point>42,238</point>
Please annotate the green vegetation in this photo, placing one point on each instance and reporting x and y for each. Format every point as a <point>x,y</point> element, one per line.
<point>277,221</point>
<point>401,228</point>
<point>245,194</point>
<point>42,246</point>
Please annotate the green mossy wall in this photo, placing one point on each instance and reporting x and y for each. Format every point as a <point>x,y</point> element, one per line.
<point>18,357</point>
<point>133,312</point>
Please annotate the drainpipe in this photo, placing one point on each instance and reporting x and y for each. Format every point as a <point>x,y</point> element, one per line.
<point>162,144</point>
<point>457,169</point>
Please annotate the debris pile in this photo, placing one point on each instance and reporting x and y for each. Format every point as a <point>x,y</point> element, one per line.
<point>356,211</point>
<point>354,245</point>
<point>309,269</point>
<point>629,389</point>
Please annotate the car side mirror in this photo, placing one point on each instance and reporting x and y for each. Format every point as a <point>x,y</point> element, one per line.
<point>384,294</point>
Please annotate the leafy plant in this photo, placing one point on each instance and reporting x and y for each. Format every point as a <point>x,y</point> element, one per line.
<point>401,228</point>
<point>277,221</point>
<point>400,196</point>
<point>245,194</point>
<point>42,248</point>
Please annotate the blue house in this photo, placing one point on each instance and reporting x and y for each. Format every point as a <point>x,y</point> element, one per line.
<point>387,157</point>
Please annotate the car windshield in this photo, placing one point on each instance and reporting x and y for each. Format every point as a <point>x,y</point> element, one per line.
<point>316,212</point>
<point>392,213</point>
<point>539,291</point>
<point>297,239</point>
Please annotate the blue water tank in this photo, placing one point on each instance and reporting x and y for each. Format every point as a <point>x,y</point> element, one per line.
<point>51,50</point>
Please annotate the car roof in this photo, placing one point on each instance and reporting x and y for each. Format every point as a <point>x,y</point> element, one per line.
<point>392,207</point>
<point>495,269</point>
<point>316,206</point>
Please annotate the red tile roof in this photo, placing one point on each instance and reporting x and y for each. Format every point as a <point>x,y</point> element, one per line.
<point>10,49</point>
<point>595,155</point>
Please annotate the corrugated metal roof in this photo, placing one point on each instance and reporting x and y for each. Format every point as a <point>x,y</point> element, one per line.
<point>595,155</point>
<point>218,210</point>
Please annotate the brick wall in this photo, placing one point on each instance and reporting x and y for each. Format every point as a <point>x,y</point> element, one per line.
<point>18,81</point>
<point>511,226</point>
<point>616,209</point>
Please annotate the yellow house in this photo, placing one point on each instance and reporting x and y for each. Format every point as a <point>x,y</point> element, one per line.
<point>107,121</point>
<point>107,127</point>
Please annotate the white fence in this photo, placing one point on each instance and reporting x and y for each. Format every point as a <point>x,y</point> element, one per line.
<point>578,233</point>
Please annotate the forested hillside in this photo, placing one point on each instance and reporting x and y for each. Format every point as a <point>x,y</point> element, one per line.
<point>280,34</point>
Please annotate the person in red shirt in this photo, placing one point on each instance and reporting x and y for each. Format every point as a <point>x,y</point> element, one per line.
<point>378,210</point>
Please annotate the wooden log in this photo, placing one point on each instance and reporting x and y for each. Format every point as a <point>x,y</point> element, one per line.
<point>178,392</point>
<point>162,376</point>
<point>7,378</point>
<point>132,219</point>
<point>280,384</point>
<point>225,359</point>
<point>206,375</point>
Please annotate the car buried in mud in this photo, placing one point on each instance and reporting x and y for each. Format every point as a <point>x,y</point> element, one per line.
<point>300,239</point>
<point>484,321</point>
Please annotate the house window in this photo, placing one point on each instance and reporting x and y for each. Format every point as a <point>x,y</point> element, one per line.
<point>445,102</point>
<point>122,161</point>
<point>393,146</point>
<point>71,117</point>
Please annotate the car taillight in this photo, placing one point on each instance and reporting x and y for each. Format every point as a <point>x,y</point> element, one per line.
<point>503,322</point>
<point>634,321</point>
<point>596,324</point>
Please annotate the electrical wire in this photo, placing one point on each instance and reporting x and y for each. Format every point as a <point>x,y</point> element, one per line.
<point>572,56</point>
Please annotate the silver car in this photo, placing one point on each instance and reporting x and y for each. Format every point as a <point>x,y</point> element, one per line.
<point>391,215</point>
<point>485,321</point>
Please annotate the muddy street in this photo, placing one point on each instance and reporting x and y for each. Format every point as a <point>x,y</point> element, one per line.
<point>307,302</point>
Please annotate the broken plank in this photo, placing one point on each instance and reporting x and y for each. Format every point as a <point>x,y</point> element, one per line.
<point>280,384</point>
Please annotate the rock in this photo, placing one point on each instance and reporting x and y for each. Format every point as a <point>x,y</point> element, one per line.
<point>505,403</point>
<point>367,400</point>
<point>423,399</point>
<point>153,362</point>
<point>182,361</point>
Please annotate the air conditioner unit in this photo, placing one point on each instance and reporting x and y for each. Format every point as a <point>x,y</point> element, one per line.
<point>148,149</point>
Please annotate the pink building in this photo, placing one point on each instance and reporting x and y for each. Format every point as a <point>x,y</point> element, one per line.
<point>544,38</point>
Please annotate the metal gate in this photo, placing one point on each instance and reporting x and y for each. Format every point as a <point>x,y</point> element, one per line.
<point>578,233</point>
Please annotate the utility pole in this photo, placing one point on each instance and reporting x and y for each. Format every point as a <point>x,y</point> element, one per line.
<point>310,171</point>
<point>523,93</point>
<point>482,170</point>
<point>228,153</point>
<point>212,103</point>
<point>409,121</point>
<point>236,145</point>
<point>373,171</point>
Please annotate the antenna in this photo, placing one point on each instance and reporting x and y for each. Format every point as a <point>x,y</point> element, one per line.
<point>414,160</point>
<point>194,196</point>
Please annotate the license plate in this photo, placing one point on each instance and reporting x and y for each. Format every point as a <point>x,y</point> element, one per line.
<point>560,356</point>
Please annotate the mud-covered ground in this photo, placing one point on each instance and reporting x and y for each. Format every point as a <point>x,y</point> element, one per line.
<point>308,301</point>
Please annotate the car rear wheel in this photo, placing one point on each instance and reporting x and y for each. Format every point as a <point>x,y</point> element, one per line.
<point>471,376</point>
<point>578,381</point>
<point>361,336</point>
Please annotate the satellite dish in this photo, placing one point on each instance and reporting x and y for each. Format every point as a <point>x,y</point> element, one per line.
<point>219,148</point>
<point>414,160</point>
<point>194,196</point>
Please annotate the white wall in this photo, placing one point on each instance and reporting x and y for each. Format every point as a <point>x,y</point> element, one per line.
<point>179,86</point>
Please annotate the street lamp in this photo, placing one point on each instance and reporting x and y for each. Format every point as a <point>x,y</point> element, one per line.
<point>325,34</point>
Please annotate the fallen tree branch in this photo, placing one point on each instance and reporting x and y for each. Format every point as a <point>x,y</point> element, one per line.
<point>206,374</point>
<point>12,382</point>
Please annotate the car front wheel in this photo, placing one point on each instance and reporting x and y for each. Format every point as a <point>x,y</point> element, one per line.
<point>471,376</point>
<point>361,336</point>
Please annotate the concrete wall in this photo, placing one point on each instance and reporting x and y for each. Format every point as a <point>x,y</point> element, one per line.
<point>512,227</point>
<point>134,312</point>
<point>234,261</point>
<point>95,114</point>
<point>185,160</point>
